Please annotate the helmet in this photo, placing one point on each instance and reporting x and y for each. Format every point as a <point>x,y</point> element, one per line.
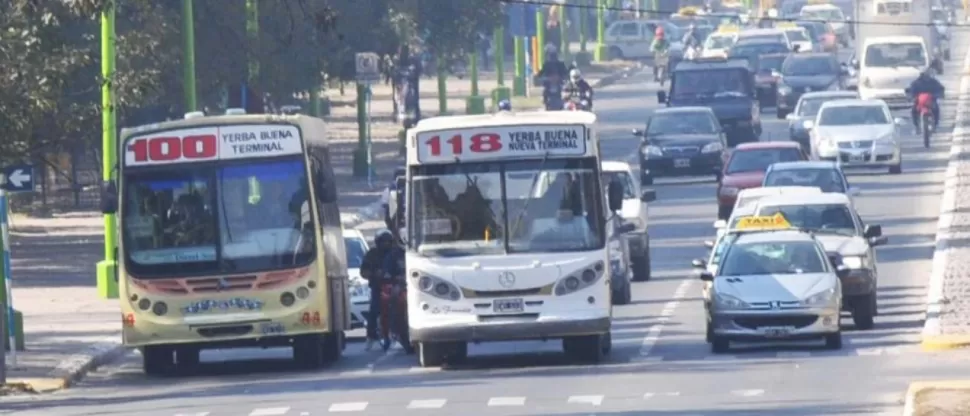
<point>550,49</point>
<point>383,237</point>
<point>659,32</point>
<point>575,75</point>
<point>505,105</point>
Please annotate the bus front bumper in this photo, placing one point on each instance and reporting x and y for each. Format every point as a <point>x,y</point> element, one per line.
<point>511,330</point>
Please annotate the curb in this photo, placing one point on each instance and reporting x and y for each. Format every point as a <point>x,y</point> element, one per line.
<point>933,338</point>
<point>75,367</point>
<point>909,408</point>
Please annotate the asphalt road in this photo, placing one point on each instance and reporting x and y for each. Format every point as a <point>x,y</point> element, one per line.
<point>660,364</point>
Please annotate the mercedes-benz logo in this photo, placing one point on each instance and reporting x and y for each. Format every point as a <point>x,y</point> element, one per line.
<point>776,305</point>
<point>506,279</point>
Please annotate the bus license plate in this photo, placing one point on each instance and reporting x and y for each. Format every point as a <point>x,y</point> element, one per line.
<point>271,328</point>
<point>776,331</point>
<point>508,305</point>
<point>681,163</point>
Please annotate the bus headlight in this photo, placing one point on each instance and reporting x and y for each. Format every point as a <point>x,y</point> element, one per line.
<point>436,287</point>
<point>579,280</point>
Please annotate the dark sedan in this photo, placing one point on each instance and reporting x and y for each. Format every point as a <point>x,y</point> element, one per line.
<point>681,141</point>
<point>806,72</point>
<point>801,121</point>
<point>766,79</point>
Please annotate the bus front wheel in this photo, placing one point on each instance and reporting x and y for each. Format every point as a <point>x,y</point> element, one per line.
<point>158,360</point>
<point>308,351</point>
<point>333,346</point>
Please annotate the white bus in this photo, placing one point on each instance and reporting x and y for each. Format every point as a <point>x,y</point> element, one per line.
<point>510,234</point>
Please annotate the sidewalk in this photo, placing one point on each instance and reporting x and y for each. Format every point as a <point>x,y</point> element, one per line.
<point>69,330</point>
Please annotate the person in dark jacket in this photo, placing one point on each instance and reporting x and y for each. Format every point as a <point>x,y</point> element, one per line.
<point>372,269</point>
<point>578,87</point>
<point>553,71</point>
<point>926,83</point>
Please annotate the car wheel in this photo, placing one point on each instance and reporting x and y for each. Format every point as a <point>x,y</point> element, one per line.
<point>710,332</point>
<point>720,345</point>
<point>646,179</point>
<point>724,212</point>
<point>586,348</point>
<point>623,296</point>
<point>833,341</point>
<point>781,114</point>
<point>615,53</point>
<point>862,312</point>
<point>896,169</point>
<point>641,264</point>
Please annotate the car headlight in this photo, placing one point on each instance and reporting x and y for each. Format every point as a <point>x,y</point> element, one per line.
<point>435,286</point>
<point>728,191</point>
<point>729,302</point>
<point>651,151</point>
<point>856,262</point>
<point>580,279</point>
<point>821,298</point>
<point>808,124</point>
<point>712,147</point>
<point>784,89</point>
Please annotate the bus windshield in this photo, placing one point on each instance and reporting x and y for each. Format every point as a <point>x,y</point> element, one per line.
<point>238,218</point>
<point>506,207</point>
<point>895,55</point>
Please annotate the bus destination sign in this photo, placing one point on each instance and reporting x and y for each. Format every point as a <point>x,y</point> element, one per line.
<point>205,144</point>
<point>526,141</point>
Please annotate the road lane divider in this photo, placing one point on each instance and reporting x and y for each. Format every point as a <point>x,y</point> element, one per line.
<point>669,308</point>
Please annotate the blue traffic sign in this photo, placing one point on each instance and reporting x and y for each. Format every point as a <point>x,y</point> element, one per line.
<point>18,178</point>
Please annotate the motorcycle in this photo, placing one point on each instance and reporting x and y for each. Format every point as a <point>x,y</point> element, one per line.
<point>576,105</point>
<point>927,121</point>
<point>394,316</point>
<point>552,95</point>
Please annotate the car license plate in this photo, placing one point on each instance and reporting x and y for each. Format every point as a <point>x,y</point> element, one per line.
<point>857,158</point>
<point>271,328</point>
<point>776,331</point>
<point>508,305</point>
<point>681,163</point>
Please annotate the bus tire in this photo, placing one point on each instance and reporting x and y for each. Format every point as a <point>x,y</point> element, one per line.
<point>332,346</point>
<point>585,348</point>
<point>308,351</point>
<point>158,360</point>
<point>187,358</point>
<point>431,354</point>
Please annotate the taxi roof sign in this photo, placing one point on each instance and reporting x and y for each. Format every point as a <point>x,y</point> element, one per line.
<point>728,29</point>
<point>754,223</point>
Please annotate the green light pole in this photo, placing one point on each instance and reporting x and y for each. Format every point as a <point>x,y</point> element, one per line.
<point>563,34</point>
<point>518,83</point>
<point>475,103</point>
<point>252,34</point>
<point>540,57</point>
<point>583,14</point>
<point>107,268</point>
<point>188,57</point>
<point>501,92</point>
<point>600,53</point>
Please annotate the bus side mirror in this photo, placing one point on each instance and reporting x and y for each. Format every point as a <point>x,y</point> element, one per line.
<point>109,197</point>
<point>615,196</point>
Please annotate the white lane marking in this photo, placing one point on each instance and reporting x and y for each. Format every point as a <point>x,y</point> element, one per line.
<point>506,401</point>
<point>591,400</point>
<point>270,411</point>
<point>793,354</point>
<point>427,404</point>
<point>193,414</point>
<point>671,394</point>
<point>653,334</point>
<point>416,369</point>
<point>748,393</point>
<point>869,351</point>
<point>348,407</point>
<point>648,396</point>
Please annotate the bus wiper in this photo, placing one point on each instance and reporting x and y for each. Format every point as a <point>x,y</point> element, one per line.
<point>525,207</point>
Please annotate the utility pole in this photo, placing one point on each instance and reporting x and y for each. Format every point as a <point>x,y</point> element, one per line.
<point>188,55</point>
<point>107,274</point>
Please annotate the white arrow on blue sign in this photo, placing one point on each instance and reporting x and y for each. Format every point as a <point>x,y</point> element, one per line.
<point>18,178</point>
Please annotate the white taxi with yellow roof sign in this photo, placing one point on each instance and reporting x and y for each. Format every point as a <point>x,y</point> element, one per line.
<point>797,35</point>
<point>718,43</point>
<point>752,195</point>
<point>774,283</point>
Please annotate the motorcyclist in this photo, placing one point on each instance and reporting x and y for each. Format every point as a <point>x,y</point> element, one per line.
<point>372,269</point>
<point>660,47</point>
<point>926,83</point>
<point>553,70</point>
<point>578,86</point>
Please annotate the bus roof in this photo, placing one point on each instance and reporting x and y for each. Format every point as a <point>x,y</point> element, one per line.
<point>217,120</point>
<point>503,119</point>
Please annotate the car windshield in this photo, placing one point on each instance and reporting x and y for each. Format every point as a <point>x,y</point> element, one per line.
<point>809,106</point>
<point>783,257</point>
<point>852,115</point>
<point>895,54</point>
<point>236,218</point>
<point>753,50</point>
<point>758,160</point>
<point>833,218</point>
<point>824,14</point>
<point>356,248</point>
<point>681,122</point>
<point>771,63</point>
<point>719,42</point>
<point>828,180</point>
<point>624,178</point>
<point>796,35</point>
<point>810,66</point>
<point>506,207</point>
<point>716,84</point>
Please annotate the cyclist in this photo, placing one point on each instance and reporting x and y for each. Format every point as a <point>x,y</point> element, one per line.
<point>372,269</point>
<point>926,83</point>
<point>393,269</point>
<point>660,48</point>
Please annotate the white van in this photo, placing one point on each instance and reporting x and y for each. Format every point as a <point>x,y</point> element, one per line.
<point>888,65</point>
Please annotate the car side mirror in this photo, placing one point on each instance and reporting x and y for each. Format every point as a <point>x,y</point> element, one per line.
<point>109,197</point>
<point>662,97</point>
<point>698,264</point>
<point>855,191</point>
<point>649,195</point>
<point>872,231</point>
<point>615,196</point>
<point>842,271</point>
<point>637,133</point>
<point>706,276</point>
<point>626,227</point>
<point>791,117</point>
<point>709,244</point>
<point>719,224</point>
